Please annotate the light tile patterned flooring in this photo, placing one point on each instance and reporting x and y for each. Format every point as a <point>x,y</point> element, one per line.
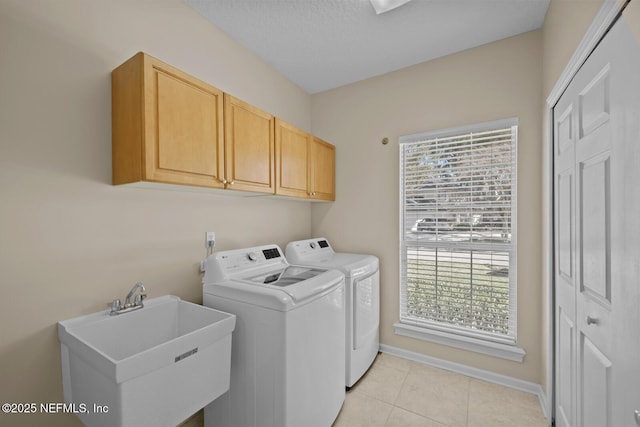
<point>396,392</point>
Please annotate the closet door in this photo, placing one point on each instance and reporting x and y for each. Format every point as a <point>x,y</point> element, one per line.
<point>597,238</point>
<point>565,269</point>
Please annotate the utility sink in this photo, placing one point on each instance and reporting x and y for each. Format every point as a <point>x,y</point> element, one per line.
<point>155,366</point>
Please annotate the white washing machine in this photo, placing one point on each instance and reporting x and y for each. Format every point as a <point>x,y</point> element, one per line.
<point>287,363</point>
<point>362,303</point>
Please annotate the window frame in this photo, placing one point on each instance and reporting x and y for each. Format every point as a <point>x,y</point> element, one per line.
<point>503,346</point>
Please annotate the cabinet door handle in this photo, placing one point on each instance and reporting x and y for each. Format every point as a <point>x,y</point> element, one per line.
<point>592,320</point>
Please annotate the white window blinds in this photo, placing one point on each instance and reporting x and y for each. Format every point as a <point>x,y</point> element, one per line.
<point>457,199</point>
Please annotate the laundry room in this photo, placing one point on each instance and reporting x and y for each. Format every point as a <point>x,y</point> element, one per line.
<point>73,240</point>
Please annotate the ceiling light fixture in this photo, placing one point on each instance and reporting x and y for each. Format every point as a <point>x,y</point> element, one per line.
<point>382,6</point>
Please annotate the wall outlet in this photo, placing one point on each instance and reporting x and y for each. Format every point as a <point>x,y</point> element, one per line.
<point>209,239</point>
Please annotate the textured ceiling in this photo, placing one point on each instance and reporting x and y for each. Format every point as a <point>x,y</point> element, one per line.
<point>323,44</point>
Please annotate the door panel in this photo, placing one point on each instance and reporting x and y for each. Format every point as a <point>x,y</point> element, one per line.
<point>564,130</point>
<point>565,226</point>
<point>592,162</point>
<point>566,369</point>
<point>594,241</point>
<point>594,103</point>
<point>597,385</point>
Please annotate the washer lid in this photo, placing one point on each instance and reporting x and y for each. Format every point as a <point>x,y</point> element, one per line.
<point>287,276</point>
<point>298,286</point>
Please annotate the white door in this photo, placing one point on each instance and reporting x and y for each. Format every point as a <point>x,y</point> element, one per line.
<point>597,238</point>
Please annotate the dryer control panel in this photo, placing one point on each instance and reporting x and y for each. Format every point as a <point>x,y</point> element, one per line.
<point>310,249</point>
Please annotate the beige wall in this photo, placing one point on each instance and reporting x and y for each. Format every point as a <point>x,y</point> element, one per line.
<point>491,82</point>
<point>565,24</point>
<point>631,16</point>
<point>69,241</point>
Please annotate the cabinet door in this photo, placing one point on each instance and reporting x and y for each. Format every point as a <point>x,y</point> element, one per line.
<point>292,154</point>
<point>249,147</point>
<point>322,169</point>
<point>183,128</point>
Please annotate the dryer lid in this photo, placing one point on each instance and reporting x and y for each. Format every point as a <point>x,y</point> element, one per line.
<point>351,265</point>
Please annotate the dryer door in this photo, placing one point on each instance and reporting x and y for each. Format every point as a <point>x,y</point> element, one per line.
<point>366,308</point>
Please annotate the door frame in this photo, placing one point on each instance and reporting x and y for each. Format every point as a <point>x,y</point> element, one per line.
<point>601,23</point>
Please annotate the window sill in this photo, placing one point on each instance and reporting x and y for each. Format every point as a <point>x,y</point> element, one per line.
<point>503,351</point>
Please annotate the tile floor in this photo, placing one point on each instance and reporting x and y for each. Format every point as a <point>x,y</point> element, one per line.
<point>396,392</point>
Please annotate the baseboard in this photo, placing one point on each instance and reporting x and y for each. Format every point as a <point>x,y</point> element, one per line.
<point>492,377</point>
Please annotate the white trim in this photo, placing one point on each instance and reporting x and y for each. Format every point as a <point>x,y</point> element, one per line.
<point>446,334</point>
<point>513,253</point>
<point>547,275</point>
<point>479,127</point>
<point>491,348</point>
<point>596,31</point>
<point>469,371</point>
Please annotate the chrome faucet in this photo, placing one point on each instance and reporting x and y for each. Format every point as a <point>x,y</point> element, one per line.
<point>118,308</point>
<point>138,300</point>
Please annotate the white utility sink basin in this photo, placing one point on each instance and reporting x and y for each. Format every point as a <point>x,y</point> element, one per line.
<point>155,366</point>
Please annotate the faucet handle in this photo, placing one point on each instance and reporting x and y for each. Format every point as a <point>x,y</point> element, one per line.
<point>115,305</point>
<point>139,298</point>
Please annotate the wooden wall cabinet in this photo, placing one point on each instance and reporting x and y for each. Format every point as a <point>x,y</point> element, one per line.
<point>305,164</point>
<point>169,127</point>
<point>166,126</point>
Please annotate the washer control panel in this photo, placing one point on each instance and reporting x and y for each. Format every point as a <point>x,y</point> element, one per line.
<point>229,263</point>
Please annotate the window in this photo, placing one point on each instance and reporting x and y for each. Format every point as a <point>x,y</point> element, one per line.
<point>457,239</point>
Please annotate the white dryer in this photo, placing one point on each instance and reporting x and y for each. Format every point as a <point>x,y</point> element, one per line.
<point>287,363</point>
<point>362,303</point>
